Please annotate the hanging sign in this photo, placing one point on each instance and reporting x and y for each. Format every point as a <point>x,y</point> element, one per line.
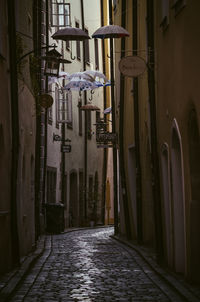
<point>132,66</point>
<point>106,137</point>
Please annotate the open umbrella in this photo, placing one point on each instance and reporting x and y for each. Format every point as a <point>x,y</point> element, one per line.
<point>81,75</point>
<point>80,84</point>
<point>61,76</point>
<point>70,33</point>
<point>110,31</point>
<point>108,110</point>
<point>89,106</point>
<point>96,74</point>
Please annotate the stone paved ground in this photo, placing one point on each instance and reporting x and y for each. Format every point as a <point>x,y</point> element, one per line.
<point>88,265</point>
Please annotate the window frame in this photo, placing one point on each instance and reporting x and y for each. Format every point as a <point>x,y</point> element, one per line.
<point>56,12</point>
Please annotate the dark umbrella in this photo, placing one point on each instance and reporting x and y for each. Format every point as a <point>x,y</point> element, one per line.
<point>110,31</point>
<point>70,33</point>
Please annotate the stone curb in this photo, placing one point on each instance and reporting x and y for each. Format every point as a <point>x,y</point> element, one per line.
<point>183,289</point>
<point>10,281</point>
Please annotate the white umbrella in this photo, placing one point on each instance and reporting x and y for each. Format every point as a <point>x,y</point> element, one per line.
<point>108,110</point>
<point>96,74</point>
<point>62,75</point>
<point>80,84</point>
<point>81,75</point>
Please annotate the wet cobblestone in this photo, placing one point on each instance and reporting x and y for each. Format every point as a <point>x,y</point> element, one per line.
<point>88,265</point>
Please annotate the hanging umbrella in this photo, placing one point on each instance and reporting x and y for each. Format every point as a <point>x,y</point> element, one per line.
<point>96,74</point>
<point>110,31</point>
<point>81,75</point>
<point>90,107</point>
<point>70,33</point>
<point>80,84</point>
<point>108,110</point>
<point>61,76</point>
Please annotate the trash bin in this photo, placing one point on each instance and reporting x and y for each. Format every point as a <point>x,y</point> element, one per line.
<point>54,218</point>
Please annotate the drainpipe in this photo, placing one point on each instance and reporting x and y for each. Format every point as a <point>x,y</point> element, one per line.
<point>121,134</point>
<point>116,229</point>
<point>37,46</point>
<point>154,141</point>
<point>86,126</point>
<point>105,104</point>
<point>15,131</point>
<point>45,117</point>
<point>137,130</point>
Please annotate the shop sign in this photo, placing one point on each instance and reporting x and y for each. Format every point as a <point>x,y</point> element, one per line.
<point>132,66</point>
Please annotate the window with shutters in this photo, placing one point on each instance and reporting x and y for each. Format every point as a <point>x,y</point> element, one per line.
<point>78,48</point>
<point>60,13</point>
<point>96,47</point>
<point>64,108</point>
<point>87,50</point>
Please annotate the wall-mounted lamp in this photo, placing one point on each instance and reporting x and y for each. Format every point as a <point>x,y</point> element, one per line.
<point>52,64</point>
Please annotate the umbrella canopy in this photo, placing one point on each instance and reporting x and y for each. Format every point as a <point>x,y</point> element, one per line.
<point>108,110</point>
<point>81,75</point>
<point>96,74</point>
<point>110,31</point>
<point>90,107</point>
<point>80,84</point>
<point>61,76</point>
<point>70,33</point>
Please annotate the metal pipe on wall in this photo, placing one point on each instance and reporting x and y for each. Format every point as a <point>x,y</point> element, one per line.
<point>137,129</point>
<point>116,228</point>
<point>121,134</point>
<point>85,125</point>
<point>15,131</point>
<point>154,141</point>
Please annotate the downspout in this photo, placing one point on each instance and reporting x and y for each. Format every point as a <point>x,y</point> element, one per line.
<point>37,46</point>
<point>116,228</point>
<point>154,141</point>
<point>105,104</point>
<point>86,126</point>
<point>137,130</point>
<point>121,133</point>
<point>15,131</point>
<point>46,116</point>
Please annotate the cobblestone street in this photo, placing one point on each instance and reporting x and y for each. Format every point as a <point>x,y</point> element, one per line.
<point>88,265</point>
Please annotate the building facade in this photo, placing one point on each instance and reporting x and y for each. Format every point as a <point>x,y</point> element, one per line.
<point>160,124</point>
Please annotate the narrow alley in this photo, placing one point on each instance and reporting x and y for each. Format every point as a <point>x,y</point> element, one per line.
<point>89,265</point>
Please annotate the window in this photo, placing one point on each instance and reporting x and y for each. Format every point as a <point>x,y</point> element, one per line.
<point>164,14</point>
<point>178,6</point>
<point>60,13</point>
<point>78,49</point>
<point>96,47</point>
<point>86,46</point>
<point>57,95</point>
<point>50,111</point>
<point>89,124</point>
<point>64,108</point>
<point>80,116</point>
<point>51,184</point>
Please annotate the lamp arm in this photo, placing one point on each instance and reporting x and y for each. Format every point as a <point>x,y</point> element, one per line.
<point>30,52</point>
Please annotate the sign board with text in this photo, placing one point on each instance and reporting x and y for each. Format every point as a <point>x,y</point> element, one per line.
<point>132,66</point>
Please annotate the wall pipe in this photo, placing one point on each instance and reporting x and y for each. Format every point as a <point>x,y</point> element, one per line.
<point>86,125</point>
<point>121,134</point>
<point>154,140</point>
<point>37,47</point>
<point>15,132</point>
<point>137,129</point>
<point>116,227</point>
<point>105,157</point>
